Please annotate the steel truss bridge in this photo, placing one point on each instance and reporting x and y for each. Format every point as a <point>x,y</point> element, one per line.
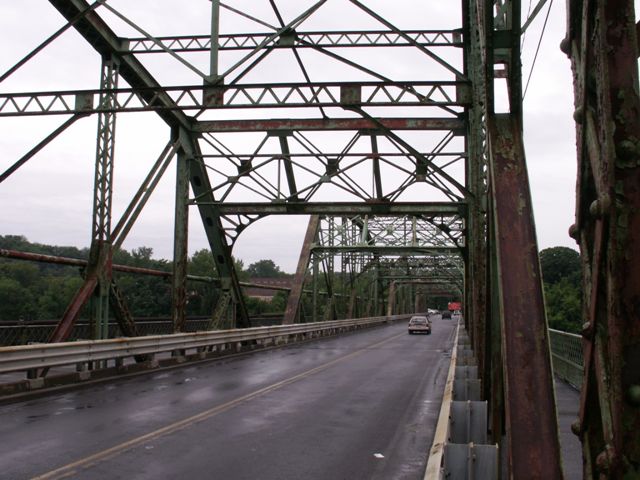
<point>389,142</point>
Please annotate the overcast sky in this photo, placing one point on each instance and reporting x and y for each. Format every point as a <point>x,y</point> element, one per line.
<point>49,199</point>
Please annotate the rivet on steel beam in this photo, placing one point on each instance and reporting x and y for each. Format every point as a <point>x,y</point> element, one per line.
<point>634,395</point>
<point>626,150</point>
<point>576,428</point>
<point>601,206</point>
<point>578,115</point>
<point>565,46</point>
<point>574,232</point>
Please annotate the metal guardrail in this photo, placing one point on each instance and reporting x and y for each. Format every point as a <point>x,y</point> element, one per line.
<point>40,356</point>
<point>566,353</point>
<point>39,331</point>
<point>434,462</point>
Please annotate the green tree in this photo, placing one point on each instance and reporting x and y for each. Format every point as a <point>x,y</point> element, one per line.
<point>16,301</point>
<point>558,263</point>
<point>265,269</point>
<point>561,275</point>
<point>201,263</point>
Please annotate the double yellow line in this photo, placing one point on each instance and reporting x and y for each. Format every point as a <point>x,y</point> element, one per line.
<point>72,468</point>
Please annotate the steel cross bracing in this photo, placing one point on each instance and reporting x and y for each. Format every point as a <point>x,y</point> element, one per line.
<point>372,253</point>
<point>385,135</point>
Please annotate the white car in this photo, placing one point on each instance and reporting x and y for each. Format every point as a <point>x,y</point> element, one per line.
<point>419,324</point>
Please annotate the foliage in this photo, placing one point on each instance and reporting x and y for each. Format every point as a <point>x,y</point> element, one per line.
<point>561,274</point>
<point>559,263</point>
<point>257,306</point>
<point>265,269</point>
<point>564,306</point>
<point>41,291</point>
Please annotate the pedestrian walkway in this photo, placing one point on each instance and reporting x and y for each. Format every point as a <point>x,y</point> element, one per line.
<point>568,406</point>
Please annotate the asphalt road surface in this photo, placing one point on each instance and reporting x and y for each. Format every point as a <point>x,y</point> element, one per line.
<point>358,406</point>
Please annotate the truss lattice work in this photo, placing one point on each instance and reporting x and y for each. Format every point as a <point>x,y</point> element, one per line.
<point>376,121</point>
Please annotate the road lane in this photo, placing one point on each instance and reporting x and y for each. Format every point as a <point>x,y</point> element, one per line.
<point>322,409</point>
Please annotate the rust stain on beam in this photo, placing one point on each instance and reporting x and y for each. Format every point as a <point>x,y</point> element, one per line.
<point>533,444</point>
<point>311,124</point>
<point>293,302</point>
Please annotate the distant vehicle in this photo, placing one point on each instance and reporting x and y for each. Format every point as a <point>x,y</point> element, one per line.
<point>446,315</point>
<point>419,324</point>
<point>457,315</point>
<point>432,311</point>
<point>453,306</point>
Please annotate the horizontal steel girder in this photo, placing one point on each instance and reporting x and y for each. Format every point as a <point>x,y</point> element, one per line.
<point>387,250</point>
<point>342,208</point>
<point>324,124</point>
<point>342,39</point>
<point>198,97</point>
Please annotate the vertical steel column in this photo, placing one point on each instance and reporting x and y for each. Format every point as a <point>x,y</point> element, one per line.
<point>376,289</point>
<point>391,299</point>
<point>181,243</point>
<point>214,48</point>
<point>602,43</point>
<point>100,252</point>
<point>475,310</point>
<point>494,389</point>
<point>295,295</point>
<point>533,449</point>
<point>314,280</point>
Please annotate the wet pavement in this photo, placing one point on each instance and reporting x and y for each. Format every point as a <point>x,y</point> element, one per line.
<point>362,405</point>
<point>568,407</point>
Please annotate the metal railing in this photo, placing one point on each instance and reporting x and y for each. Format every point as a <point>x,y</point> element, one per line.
<point>26,358</point>
<point>566,353</point>
<point>39,331</point>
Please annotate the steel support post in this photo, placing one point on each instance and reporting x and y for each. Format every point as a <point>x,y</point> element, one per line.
<point>98,273</point>
<point>533,449</point>
<point>295,296</point>
<point>215,42</point>
<point>391,301</point>
<point>181,244</point>
<point>315,278</point>
<point>210,214</point>
<point>100,254</point>
<point>602,44</point>
<point>376,288</point>
<point>493,367</point>
<point>476,224</point>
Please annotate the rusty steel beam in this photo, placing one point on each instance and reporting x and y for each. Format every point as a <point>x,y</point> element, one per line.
<point>65,325</point>
<point>75,262</point>
<point>533,449</point>
<point>327,124</point>
<point>341,208</point>
<point>391,250</point>
<point>602,42</point>
<point>293,302</point>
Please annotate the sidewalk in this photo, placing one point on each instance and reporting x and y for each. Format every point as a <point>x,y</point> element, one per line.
<point>568,405</point>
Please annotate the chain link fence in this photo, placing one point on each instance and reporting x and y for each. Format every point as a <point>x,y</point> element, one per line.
<point>566,353</point>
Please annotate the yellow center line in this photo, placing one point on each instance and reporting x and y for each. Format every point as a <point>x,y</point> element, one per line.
<point>70,469</point>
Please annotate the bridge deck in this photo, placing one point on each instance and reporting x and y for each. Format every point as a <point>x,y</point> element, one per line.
<point>568,403</point>
<point>322,409</point>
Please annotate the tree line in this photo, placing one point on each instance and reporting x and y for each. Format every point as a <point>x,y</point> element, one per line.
<point>562,280</point>
<point>42,291</point>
